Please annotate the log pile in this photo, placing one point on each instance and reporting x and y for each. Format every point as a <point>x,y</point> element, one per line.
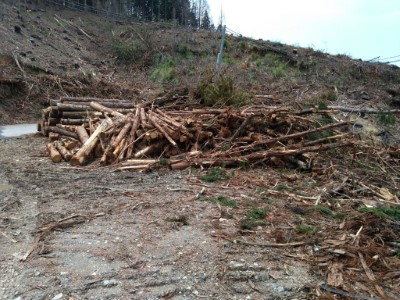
<point>136,137</point>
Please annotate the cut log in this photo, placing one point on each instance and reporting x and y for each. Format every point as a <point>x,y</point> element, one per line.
<point>66,155</point>
<point>82,134</point>
<point>74,121</point>
<point>61,131</point>
<point>109,155</point>
<point>81,156</point>
<point>70,145</point>
<point>162,130</point>
<point>132,134</point>
<point>104,109</point>
<point>91,99</point>
<point>54,154</point>
<point>148,150</point>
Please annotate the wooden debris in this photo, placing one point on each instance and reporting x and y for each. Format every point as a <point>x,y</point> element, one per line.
<point>200,137</point>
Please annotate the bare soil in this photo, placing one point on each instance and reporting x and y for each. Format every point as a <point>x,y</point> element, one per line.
<point>121,243</point>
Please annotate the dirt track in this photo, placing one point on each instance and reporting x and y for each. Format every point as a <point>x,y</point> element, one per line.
<point>118,242</point>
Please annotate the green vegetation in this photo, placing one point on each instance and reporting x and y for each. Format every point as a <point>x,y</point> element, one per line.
<point>221,200</point>
<point>248,223</point>
<point>225,202</point>
<point>306,229</point>
<point>165,71</point>
<point>164,161</point>
<point>325,210</point>
<point>221,92</point>
<point>183,49</point>
<point>201,198</point>
<point>386,119</point>
<point>215,174</point>
<point>128,51</point>
<point>258,213</point>
<point>392,213</point>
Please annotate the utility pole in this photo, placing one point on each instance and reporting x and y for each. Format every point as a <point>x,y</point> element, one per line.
<point>219,58</point>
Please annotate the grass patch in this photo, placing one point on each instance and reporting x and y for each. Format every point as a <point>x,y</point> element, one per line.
<point>183,49</point>
<point>306,229</point>
<point>392,213</point>
<point>248,224</point>
<point>202,198</point>
<point>223,201</point>
<point>325,210</point>
<point>386,119</point>
<point>215,174</point>
<point>164,161</point>
<point>165,71</point>
<point>258,213</point>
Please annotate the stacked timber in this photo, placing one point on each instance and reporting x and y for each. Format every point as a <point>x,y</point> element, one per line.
<point>135,137</point>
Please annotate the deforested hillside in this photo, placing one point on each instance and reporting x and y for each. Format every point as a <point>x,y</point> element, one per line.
<point>153,176</point>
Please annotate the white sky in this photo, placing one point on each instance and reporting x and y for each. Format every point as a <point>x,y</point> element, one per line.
<point>360,28</point>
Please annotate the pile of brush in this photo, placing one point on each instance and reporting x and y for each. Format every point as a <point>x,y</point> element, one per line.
<point>134,137</point>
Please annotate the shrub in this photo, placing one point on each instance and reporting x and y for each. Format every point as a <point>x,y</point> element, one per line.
<point>129,51</point>
<point>222,92</point>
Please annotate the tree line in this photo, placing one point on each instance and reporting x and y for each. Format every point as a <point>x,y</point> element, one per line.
<point>191,13</point>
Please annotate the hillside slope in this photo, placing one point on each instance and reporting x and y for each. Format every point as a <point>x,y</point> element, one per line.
<point>283,225</point>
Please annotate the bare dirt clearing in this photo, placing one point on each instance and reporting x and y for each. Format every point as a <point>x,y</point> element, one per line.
<point>122,243</point>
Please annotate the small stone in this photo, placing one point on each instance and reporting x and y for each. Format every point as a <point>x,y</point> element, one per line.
<point>110,283</point>
<point>57,297</point>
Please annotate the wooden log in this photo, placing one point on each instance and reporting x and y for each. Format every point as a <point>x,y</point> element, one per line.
<point>80,114</point>
<point>53,121</point>
<point>82,134</point>
<point>54,154</point>
<point>152,135</point>
<point>70,145</point>
<point>61,131</point>
<point>119,148</point>
<point>171,121</point>
<point>71,107</point>
<point>103,109</point>
<point>132,134</point>
<point>136,168</point>
<point>39,126</point>
<point>134,162</point>
<point>70,128</point>
<point>53,136</point>
<point>66,155</point>
<point>74,121</point>
<point>81,156</point>
<point>162,130</point>
<point>91,99</point>
<point>144,119</point>
<point>109,156</point>
<point>148,150</point>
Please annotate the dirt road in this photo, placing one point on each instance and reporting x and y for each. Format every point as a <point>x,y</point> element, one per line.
<point>124,236</point>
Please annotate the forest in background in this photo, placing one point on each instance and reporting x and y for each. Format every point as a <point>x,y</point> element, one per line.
<point>191,13</point>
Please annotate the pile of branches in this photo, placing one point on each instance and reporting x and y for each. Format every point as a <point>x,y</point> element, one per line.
<point>136,137</point>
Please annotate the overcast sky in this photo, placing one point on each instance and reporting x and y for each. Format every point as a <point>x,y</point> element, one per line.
<point>360,28</point>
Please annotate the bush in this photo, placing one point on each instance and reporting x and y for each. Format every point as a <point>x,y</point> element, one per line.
<point>222,92</point>
<point>129,51</point>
